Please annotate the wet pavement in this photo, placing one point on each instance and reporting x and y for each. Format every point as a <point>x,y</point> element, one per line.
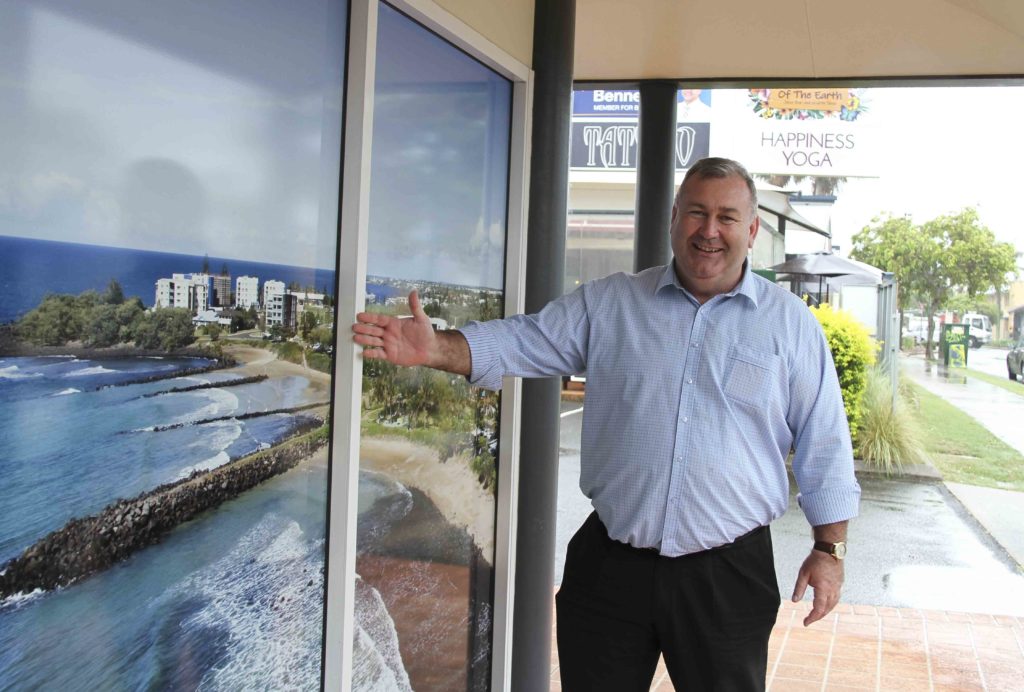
<point>1000,411</point>
<point>914,544</point>
<point>934,592</point>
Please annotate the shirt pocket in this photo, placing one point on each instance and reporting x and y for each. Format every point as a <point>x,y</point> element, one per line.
<point>750,374</point>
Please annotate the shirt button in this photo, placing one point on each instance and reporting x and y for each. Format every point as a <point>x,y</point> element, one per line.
<point>694,344</point>
<point>689,381</point>
<point>685,419</point>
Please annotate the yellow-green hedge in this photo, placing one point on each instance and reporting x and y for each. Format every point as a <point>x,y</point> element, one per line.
<point>853,351</point>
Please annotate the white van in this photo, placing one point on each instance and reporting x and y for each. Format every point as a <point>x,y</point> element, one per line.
<point>980,328</point>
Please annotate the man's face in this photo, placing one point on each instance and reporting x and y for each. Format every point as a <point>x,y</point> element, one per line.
<point>691,95</point>
<point>713,226</point>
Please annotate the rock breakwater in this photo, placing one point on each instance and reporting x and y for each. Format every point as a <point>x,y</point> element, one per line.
<point>88,545</point>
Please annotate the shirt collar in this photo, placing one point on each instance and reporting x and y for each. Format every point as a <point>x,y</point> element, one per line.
<point>746,287</point>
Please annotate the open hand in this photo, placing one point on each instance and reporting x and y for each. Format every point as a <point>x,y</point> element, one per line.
<point>399,340</point>
<point>824,574</point>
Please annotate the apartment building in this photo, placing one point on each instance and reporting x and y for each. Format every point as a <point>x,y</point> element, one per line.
<point>247,292</point>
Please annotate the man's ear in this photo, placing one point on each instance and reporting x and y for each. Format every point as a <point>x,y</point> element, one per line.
<point>754,226</point>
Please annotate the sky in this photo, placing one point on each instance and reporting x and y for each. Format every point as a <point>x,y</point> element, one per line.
<point>166,136</point>
<point>941,149</point>
<point>175,130</point>
<point>216,129</point>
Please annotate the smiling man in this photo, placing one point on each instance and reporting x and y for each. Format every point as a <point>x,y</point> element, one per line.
<point>701,378</point>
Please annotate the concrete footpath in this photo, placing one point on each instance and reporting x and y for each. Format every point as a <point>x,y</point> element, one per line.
<point>1000,512</point>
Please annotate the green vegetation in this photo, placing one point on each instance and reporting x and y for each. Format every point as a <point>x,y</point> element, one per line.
<point>935,262</point>
<point>102,320</point>
<point>436,409</point>
<point>961,448</point>
<point>165,329</point>
<point>888,439</point>
<point>1001,382</point>
<point>853,352</point>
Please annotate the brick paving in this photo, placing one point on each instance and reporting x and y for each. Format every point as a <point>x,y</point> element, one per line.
<point>861,647</point>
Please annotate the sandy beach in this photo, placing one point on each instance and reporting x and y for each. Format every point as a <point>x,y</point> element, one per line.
<point>261,361</point>
<point>450,485</point>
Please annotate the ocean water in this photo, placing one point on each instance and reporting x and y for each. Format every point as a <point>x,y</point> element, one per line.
<point>230,600</point>
<point>29,269</point>
<point>235,593</point>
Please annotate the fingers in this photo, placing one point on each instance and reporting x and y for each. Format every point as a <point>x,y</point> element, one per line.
<point>367,329</point>
<point>802,579</point>
<point>824,602</point>
<point>414,304</point>
<point>372,318</point>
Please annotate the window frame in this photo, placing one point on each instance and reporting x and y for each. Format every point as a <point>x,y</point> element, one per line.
<point>351,275</point>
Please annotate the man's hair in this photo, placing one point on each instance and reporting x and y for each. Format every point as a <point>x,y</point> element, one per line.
<point>716,167</point>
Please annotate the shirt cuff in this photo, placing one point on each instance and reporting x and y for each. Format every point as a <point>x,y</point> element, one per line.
<point>830,506</point>
<point>483,350</point>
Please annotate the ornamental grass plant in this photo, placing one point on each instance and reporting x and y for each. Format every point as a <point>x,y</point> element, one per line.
<point>887,439</point>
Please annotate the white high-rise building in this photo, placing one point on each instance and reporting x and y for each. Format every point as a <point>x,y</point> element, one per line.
<point>164,293</point>
<point>274,302</point>
<point>247,292</point>
<point>189,291</point>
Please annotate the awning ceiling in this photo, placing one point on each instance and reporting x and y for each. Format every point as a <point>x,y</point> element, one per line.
<point>797,39</point>
<point>777,203</point>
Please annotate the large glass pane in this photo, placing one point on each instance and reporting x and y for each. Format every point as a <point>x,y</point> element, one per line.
<point>168,221</point>
<point>427,481</point>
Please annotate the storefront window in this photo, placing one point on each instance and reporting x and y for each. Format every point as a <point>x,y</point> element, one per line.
<point>168,225</point>
<point>428,457</point>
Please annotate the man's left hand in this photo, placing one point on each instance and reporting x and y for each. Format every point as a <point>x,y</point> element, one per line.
<point>824,574</point>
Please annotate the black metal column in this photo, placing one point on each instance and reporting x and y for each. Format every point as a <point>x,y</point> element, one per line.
<point>655,173</point>
<point>553,34</point>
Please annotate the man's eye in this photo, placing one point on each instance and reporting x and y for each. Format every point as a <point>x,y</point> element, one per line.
<point>729,220</point>
<point>697,213</point>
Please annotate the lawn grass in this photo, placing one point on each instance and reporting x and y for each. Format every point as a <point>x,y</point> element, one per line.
<point>1001,382</point>
<point>961,448</point>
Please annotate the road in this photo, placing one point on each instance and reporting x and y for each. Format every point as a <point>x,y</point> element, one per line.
<point>912,546</point>
<point>988,360</point>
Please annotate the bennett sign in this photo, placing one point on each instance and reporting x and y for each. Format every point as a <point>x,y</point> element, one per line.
<point>604,132</point>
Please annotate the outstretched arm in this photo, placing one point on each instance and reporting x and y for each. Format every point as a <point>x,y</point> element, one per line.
<point>411,341</point>
<point>823,573</point>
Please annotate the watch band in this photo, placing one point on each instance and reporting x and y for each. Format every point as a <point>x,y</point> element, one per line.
<point>836,550</point>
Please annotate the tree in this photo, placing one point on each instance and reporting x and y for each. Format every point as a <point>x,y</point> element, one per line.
<point>165,329</point>
<point>934,260</point>
<point>102,329</point>
<point>307,324</point>
<point>114,294</point>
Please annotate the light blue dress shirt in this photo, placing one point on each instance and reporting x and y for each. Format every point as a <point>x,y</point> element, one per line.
<point>691,409</point>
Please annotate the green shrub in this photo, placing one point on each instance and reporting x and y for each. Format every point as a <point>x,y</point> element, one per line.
<point>289,351</point>
<point>853,352</point>
<point>888,439</point>
<point>319,361</point>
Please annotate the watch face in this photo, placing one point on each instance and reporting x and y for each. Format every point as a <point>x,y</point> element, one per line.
<point>839,550</point>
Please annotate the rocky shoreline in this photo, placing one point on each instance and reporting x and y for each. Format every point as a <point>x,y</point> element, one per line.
<point>88,545</point>
<point>18,349</point>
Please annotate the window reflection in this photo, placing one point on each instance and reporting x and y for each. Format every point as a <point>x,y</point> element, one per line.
<point>428,474</point>
<point>163,511</point>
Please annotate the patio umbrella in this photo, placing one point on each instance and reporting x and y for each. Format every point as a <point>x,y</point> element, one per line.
<point>826,265</point>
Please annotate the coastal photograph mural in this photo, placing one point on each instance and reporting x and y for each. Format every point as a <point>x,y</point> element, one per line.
<point>429,441</point>
<point>168,229</point>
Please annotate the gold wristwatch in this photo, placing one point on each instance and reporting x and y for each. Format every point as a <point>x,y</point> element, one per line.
<point>836,550</point>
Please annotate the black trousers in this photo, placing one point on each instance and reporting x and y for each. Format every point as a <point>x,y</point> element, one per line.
<point>710,614</point>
